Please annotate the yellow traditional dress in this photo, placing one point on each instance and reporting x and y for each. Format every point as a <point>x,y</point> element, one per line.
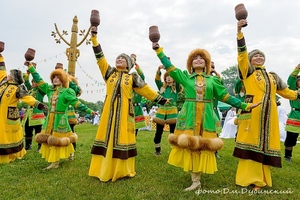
<point>258,138</point>
<point>114,148</point>
<point>11,137</point>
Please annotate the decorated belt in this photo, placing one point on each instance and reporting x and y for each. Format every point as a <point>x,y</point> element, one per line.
<point>297,109</point>
<point>58,112</point>
<point>195,100</point>
<point>136,104</point>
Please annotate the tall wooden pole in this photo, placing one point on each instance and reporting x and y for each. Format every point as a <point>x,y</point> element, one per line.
<point>72,52</point>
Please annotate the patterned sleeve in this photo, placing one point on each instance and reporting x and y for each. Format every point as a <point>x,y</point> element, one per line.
<point>37,78</point>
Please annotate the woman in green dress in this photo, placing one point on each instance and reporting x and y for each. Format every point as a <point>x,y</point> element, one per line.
<point>195,141</point>
<point>56,135</point>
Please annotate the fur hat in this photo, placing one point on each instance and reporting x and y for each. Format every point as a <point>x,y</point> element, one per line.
<point>254,52</point>
<point>63,76</point>
<point>17,76</point>
<point>128,59</point>
<point>204,54</point>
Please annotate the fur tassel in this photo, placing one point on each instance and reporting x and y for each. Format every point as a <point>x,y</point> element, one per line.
<point>60,142</point>
<point>171,121</point>
<point>159,121</point>
<point>65,141</point>
<point>215,144</point>
<point>196,143</point>
<point>173,139</point>
<point>53,141</point>
<point>73,121</point>
<point>73,138</point>
<point>183,141</point>
<point>41,138</point>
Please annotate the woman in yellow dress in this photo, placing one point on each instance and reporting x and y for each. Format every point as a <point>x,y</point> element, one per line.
<point>114,148</point>
<point>258,138</point>
<point>11,91</point>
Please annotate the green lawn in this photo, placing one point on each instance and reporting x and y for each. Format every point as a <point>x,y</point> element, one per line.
<point>155,178</point>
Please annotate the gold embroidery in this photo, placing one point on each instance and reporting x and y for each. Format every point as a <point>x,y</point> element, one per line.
<point>12,113</point>
<point>258,76</point>
<point>53,101</point>
<point>200,87</point>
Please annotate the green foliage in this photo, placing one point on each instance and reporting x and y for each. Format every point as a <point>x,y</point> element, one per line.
<point>98,106</point>
<point>229,76</point>
<point>155,178</point>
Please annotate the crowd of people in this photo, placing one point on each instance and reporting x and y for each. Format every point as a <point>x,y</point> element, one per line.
<point>195,133</point>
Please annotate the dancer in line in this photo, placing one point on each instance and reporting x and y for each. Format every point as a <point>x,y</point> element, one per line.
<point>114,148</point>
<point>166,114</point>
<point>293,122</point>
<point>56,136</point>
<point>195,141</point>
<point>258,138</point>
<point>12,90</point>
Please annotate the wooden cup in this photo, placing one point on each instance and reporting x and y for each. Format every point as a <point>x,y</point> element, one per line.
<point>241,12</point>
<point>30,54</point>
<point>154,34</point>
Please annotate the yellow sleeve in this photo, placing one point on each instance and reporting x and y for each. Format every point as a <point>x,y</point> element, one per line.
<point>147,92</point>
<point>3,73</point>
<point>30,100</point>
<point>288,94</point>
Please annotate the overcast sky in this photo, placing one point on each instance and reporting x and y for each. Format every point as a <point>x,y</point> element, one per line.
<point>273,27</point>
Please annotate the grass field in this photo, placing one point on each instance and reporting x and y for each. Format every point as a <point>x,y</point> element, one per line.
<point>155,178</point>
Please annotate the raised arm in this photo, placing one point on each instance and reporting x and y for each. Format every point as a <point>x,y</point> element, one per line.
<point>3,73</point>
<point>174,72</point>
<point>158,81</point>
<point>43,86</point>
<point>26,81</point>
<point>139,70</point>
<point>292,80</point>
<point>104,67</point>
<point>243,63</point>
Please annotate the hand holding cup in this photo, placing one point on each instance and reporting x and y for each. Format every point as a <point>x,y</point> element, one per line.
<point>95,21</point>
<point>241,12</point>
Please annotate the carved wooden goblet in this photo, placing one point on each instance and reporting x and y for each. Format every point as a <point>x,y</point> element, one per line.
<point>241,12</point>
<point>59,66</point>
<point>95,18</point>
<point>154,34</point>
<point>30,54</point>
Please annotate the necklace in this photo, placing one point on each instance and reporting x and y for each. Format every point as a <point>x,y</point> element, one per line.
<point>200,86</point>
